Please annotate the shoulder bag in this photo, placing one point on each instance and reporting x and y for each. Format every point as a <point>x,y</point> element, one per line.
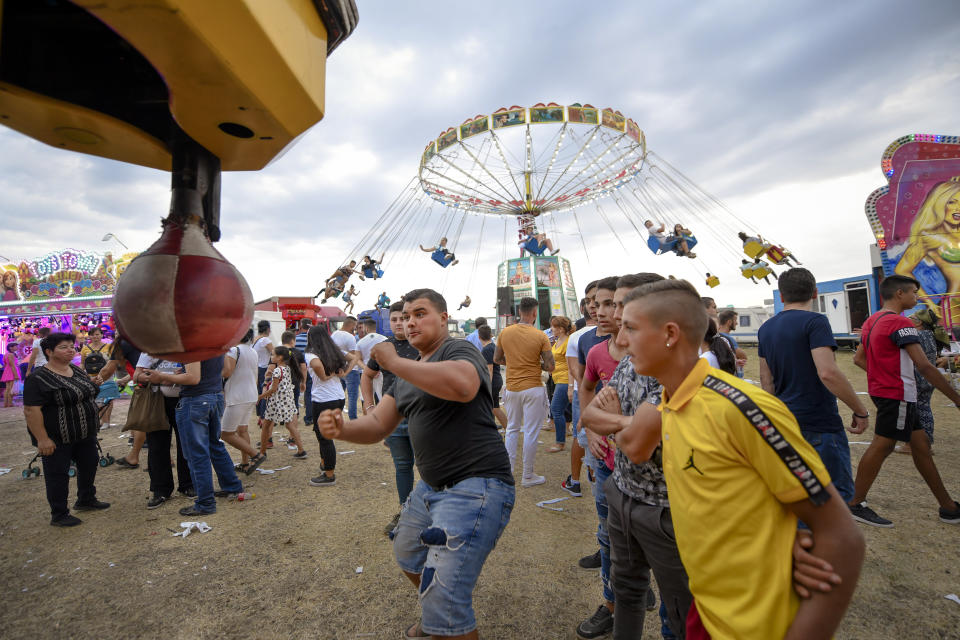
<point>147,411</point>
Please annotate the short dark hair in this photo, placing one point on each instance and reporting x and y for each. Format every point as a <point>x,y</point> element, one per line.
<point>677,301</point>
<point>590,285</point>
<point>608,284</point>
<point>287,336</point>
<point>894,283</point>
<point>263,326</point>
<point>634,280</point>
<point>44,331</point>
<point>796,285</point>
<point>727,315</point>
<point>438,301</point>
<point>305,323</point>
<point>479,322</point>
<point>50,343</point>
<point>484,332</point>
<point>370,323</point>
<point>247,337</point>
<point>397,306</point>
<point>351,319</point>
<point>527,304</point>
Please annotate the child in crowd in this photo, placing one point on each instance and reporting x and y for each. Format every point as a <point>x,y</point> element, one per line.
<point>11,373</point>
<point>279,396</point>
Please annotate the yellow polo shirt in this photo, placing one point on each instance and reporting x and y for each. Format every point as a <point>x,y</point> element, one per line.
<point>733,458</point>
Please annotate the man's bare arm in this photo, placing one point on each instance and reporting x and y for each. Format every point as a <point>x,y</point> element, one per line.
<point>766,377</point>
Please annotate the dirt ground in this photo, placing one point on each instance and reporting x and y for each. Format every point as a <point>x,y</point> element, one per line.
<point>286,564</point>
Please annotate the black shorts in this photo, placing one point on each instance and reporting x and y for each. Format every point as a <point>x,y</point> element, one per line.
<point>497,385</point>
<point>896,419</point>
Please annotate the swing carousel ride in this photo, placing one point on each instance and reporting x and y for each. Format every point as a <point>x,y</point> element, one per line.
<point>550,168</point>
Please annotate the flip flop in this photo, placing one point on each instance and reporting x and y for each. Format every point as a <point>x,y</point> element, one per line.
<point>414,631</point>
<point>123,463</point>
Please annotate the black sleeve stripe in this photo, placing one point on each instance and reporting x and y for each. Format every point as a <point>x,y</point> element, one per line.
<point>765,427</point>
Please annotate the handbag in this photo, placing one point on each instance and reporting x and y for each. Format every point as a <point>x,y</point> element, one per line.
<point>147,411</point>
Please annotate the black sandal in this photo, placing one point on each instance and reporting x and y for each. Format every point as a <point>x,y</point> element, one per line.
<point>241,467</point>
<point>255,462</point>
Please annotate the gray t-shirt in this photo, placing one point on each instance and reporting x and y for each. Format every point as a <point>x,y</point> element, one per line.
<point>643,482</point>
<point>453,441</point>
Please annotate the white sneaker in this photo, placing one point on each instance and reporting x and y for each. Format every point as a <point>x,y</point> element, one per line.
<point>532,481</point>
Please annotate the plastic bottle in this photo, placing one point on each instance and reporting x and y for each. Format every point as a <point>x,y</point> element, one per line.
<point>245,496</point>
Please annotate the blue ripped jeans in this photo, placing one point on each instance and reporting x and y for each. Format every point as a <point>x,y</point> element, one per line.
<point>600,475</point>
<point>445,537</point>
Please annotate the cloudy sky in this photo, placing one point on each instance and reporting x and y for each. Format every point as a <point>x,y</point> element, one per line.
<point>781,111</point>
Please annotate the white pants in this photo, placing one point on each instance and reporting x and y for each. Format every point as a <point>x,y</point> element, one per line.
<point>526,410</point>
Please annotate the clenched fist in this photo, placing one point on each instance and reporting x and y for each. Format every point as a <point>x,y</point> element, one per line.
<point>330,423</point>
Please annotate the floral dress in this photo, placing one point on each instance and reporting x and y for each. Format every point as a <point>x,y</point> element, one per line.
<point>280,406</point>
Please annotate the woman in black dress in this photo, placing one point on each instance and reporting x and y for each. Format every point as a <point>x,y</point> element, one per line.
<point>58,403</point>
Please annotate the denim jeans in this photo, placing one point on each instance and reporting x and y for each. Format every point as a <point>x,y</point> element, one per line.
<point>600,475</point>
<point>353,393</point>
<point>834,450</point>
<point>261,404</point>
<point>198,421</point>
<point>446,536</point>
<point>402,452</point>
<point>558,409</point>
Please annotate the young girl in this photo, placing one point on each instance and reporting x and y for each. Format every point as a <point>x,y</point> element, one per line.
<point>279,396</point>
<point>717,351</point>
<point>326,365</point>
<point>11,373</point>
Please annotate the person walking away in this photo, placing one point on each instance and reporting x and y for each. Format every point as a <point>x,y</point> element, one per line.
<point>263,346</point>
<point>328,366</point>
<point>733,456</point>
<point>717,351</point>
<point>488,350</point>
<point>240,396</point>
<point>347,342</point>
<point>797,364</point>
<point>886,337</point>
<point>457,512</point>
<point>300,343</point>
<point>562,327</point>
<point>37,359</point>
<point>364,345</point>
<point>158,441</point>
<point>11,373</point>
<point>279,396</point>
<point>198,418</point>
<point>526,352</point>
<point>401,450</point>
<point>58,404</point>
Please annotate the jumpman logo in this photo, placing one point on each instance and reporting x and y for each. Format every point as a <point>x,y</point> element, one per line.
<point>691,464</point>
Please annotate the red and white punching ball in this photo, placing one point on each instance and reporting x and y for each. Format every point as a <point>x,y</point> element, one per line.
<point>181,300</point>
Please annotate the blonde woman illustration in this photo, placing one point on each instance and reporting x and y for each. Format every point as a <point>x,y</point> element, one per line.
<point>935,235</point>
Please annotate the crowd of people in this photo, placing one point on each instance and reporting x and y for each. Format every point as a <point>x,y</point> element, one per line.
<point>725,492</point>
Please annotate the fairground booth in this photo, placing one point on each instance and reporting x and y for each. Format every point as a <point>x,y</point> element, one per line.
<point>68,290</point>
<point>546,278</point>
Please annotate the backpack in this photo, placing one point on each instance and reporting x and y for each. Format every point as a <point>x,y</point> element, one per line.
<point>95,361</point>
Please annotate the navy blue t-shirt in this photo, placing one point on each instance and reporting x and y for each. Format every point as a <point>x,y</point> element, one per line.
<point>785,343</point>
<point>587,341</point>
<point>211,381</point>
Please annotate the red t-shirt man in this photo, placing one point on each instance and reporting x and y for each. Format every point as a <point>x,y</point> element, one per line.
<point>889,367</point>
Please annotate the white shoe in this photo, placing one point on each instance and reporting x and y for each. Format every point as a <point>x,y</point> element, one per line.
<point>532,481</point>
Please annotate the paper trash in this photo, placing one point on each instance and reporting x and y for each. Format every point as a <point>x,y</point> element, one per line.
<point>543,503</point>
<point>202,527</point>
<point>952,596</point>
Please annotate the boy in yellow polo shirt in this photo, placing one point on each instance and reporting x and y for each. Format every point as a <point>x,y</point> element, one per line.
<point>739,474</point>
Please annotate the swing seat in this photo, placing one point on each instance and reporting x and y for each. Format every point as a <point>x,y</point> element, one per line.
<point>442,258</point>
<point>776,254</point>
<point>654,244</point>
<point>369,272</point>
<point>713,281</point>
<point>691,243</point>
<point>534,247</point>
<point>753,249</point>
<point>761,272</point>
<point>747,273</point>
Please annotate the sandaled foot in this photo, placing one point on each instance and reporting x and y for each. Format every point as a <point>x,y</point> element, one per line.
<point>123,463</point>
<point>554,448</point>
<point>414,631</point>
<point>255,462</point>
